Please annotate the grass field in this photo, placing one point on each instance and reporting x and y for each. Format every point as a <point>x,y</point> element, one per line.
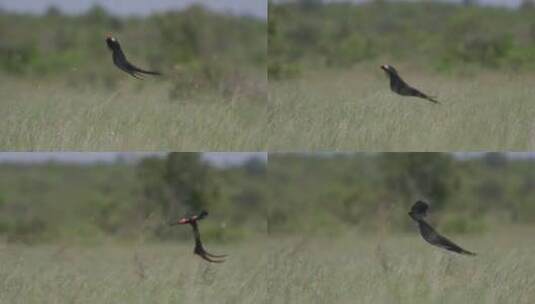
<point>403,269</point>
<point>349,269</point>
<point>355,110</point>
<point>126,274</point>
<point>133,116</point>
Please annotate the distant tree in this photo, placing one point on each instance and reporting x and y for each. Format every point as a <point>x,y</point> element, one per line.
<point>176,185</point>
<point>96,14</point>
<point>155,195</point>
<point>187,178</point>
<point>179,182</point>
<point>527,4</point>
<point>53,11</point>
<point>255,166</point>
<point>309,4</point>
<point>379,2</point>
<point>469,2</point>
<point>495,160</point>
<point>418,175</point>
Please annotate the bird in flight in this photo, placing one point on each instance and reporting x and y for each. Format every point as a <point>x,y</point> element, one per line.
<point>199,249</point>
<point>119,59</point>
<point>417,213</point>
<point>399,86</point>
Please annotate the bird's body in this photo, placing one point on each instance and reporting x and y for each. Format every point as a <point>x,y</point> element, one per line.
<point>428,233</point>
<point>119,59</point>
<point>199,249</point>
<point>399,86</point>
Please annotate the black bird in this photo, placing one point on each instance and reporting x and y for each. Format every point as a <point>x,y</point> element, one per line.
<point>199,249</point>
<point>417,213</point>
<point>399,86</point>
<point>119,59</point>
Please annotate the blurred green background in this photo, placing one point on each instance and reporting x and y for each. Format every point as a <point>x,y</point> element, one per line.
<point>316,194</point>
<point>195,48</point>
<point>61,90</point>
<point>311,34</point>
<point>330,193</point>
<point>89,202</point>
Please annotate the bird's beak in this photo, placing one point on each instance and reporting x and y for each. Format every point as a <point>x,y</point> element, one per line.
<point>384,68</point>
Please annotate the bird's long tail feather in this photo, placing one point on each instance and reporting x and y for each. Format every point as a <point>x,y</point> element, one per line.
<point>145,71</point>
<point>427,97</point>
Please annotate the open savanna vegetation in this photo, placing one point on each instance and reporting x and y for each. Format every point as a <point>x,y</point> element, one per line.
<point>60,89</point>
<point>99,232</point>
<point>329,193</point>
<point>393,268</point>
<point>353,268</point>
<point>327,91</point>
<point>303,228</point>
<point>355,110</point>
<point>45,115</point>
<point>341,231</point>
<point>143,273</point>
<point>130,200</point>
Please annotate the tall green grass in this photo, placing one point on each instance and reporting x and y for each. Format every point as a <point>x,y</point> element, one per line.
<point>355,110</point>
<point>402,269</point>
<point>355,268</point>
<point>131,274</point>
<point>135,115</point>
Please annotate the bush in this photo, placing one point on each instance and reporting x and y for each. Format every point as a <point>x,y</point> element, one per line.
<point>447,36</point>
<point>460,224</point>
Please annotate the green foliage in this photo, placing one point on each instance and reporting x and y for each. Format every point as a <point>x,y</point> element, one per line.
<point>459,223</point>
<point>131,201</point>
<point>424,174</point>
<point>326,193</point>
<point>354,110</point>
<point>195,41</point>
<point>446,36</point>
<point>320,194</point>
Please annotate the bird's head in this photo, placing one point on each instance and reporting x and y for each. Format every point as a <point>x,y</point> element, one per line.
<point>109,36</point>
<point>201,215</point>
<point>111,42</point>
<point>389,69</point>
<point>419,210</point>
